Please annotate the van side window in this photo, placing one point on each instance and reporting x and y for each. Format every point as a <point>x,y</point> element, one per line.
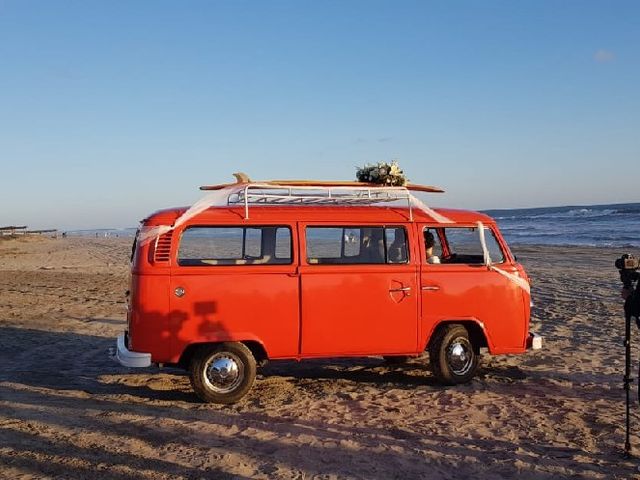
<point>463,245</point>
<point>252,242</point>
<point>436,246</point>
<point>283,244</point>
<point>396,242</point>
<point>235,246</point>
<point>356,245</point>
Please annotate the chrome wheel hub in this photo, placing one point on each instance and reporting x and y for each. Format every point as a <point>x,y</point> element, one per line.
<point>460,356</point>
<point>224,372</point>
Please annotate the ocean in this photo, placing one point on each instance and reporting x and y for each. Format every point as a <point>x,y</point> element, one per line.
<point>594,225</point>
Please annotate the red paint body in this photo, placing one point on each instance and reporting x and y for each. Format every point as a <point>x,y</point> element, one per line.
<point>302,310</point>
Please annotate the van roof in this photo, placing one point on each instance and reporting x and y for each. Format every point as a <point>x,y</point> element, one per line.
<point>327,214</point>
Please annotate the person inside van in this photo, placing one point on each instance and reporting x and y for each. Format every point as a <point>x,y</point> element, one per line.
<point>372,248</point>
<point>397,252</point>
<point>429,242</point>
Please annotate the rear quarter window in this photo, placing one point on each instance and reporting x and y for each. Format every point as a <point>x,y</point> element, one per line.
<point>230,245</point>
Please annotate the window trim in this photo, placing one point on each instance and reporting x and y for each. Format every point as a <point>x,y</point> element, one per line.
<point>440,231</point>
<point>232,262</point>
<point>384,227</point>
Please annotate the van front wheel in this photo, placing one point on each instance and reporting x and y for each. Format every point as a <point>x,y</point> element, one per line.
<point>452,355</point>
<point>222,373</point>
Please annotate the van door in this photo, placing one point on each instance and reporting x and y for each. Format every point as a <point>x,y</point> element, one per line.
<point>358,290</point>
<point>457,285</point>
<point>236,283</point>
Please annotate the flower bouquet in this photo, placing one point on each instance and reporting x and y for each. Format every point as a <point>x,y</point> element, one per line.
<point>382,173</point>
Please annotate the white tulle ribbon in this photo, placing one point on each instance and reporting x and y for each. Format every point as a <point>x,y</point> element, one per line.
<point>521,282</point>
<point>149,234</point>
<point>218,198</point>
<point>428,210</point>
<point>213,198</point>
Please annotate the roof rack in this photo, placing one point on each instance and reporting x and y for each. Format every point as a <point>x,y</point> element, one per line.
<point>256,194</point>
<point>310,192</point>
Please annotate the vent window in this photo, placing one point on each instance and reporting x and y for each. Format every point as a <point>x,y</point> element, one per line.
<point>162,251</point>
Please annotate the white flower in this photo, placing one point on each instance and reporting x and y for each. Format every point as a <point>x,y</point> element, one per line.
<point>382,173</point>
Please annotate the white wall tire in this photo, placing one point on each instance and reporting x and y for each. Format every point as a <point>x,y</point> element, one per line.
<point>223,372</point>
<point>453,356</point>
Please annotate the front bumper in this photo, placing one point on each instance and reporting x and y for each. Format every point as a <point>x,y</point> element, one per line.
<point>128,358</point>
<point>534,341</point>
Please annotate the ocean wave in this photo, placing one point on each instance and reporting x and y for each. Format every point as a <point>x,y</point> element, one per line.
<point>573,213</point>
<point>586,212</point>
<point>574,238</point>
<point>630,210</point>
<point>508,233</point>
<point>577,243</point>
<point>599,225</point>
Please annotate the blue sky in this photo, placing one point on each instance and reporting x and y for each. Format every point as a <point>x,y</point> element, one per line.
<point>110,110</point>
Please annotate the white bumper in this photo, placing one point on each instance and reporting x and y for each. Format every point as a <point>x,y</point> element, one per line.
<point>131,359</point>
<point>534,342</point>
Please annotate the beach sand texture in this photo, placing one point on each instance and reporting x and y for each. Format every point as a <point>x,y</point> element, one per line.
<point>68,411</point>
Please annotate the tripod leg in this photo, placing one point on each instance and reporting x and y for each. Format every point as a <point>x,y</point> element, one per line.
<point>627,381</point>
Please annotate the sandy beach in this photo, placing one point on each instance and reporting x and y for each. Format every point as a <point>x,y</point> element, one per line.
<point>68,411</point>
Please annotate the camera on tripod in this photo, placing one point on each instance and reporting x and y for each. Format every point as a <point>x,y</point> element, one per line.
<point>628,262</point>
<point>628,266</point>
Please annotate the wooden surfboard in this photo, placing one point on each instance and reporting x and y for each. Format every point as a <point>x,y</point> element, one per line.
<point>244,179</point>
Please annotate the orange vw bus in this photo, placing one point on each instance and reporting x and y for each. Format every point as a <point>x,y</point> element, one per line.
<point>286,270</point>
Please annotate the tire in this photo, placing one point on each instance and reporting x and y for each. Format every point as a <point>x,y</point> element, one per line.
<point>222,373</point>
<point>396,359</point>
<point>453,357</point>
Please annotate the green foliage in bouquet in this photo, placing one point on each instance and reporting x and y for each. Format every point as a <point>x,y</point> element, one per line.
<point>382,173</point>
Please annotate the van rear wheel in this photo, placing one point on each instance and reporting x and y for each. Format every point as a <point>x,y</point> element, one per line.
<point>222,373</point>
<point>453,357</point>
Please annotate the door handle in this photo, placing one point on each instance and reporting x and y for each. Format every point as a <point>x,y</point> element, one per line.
<point>402,289</point>
<point>431,288</point>
<point>179,292</point>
